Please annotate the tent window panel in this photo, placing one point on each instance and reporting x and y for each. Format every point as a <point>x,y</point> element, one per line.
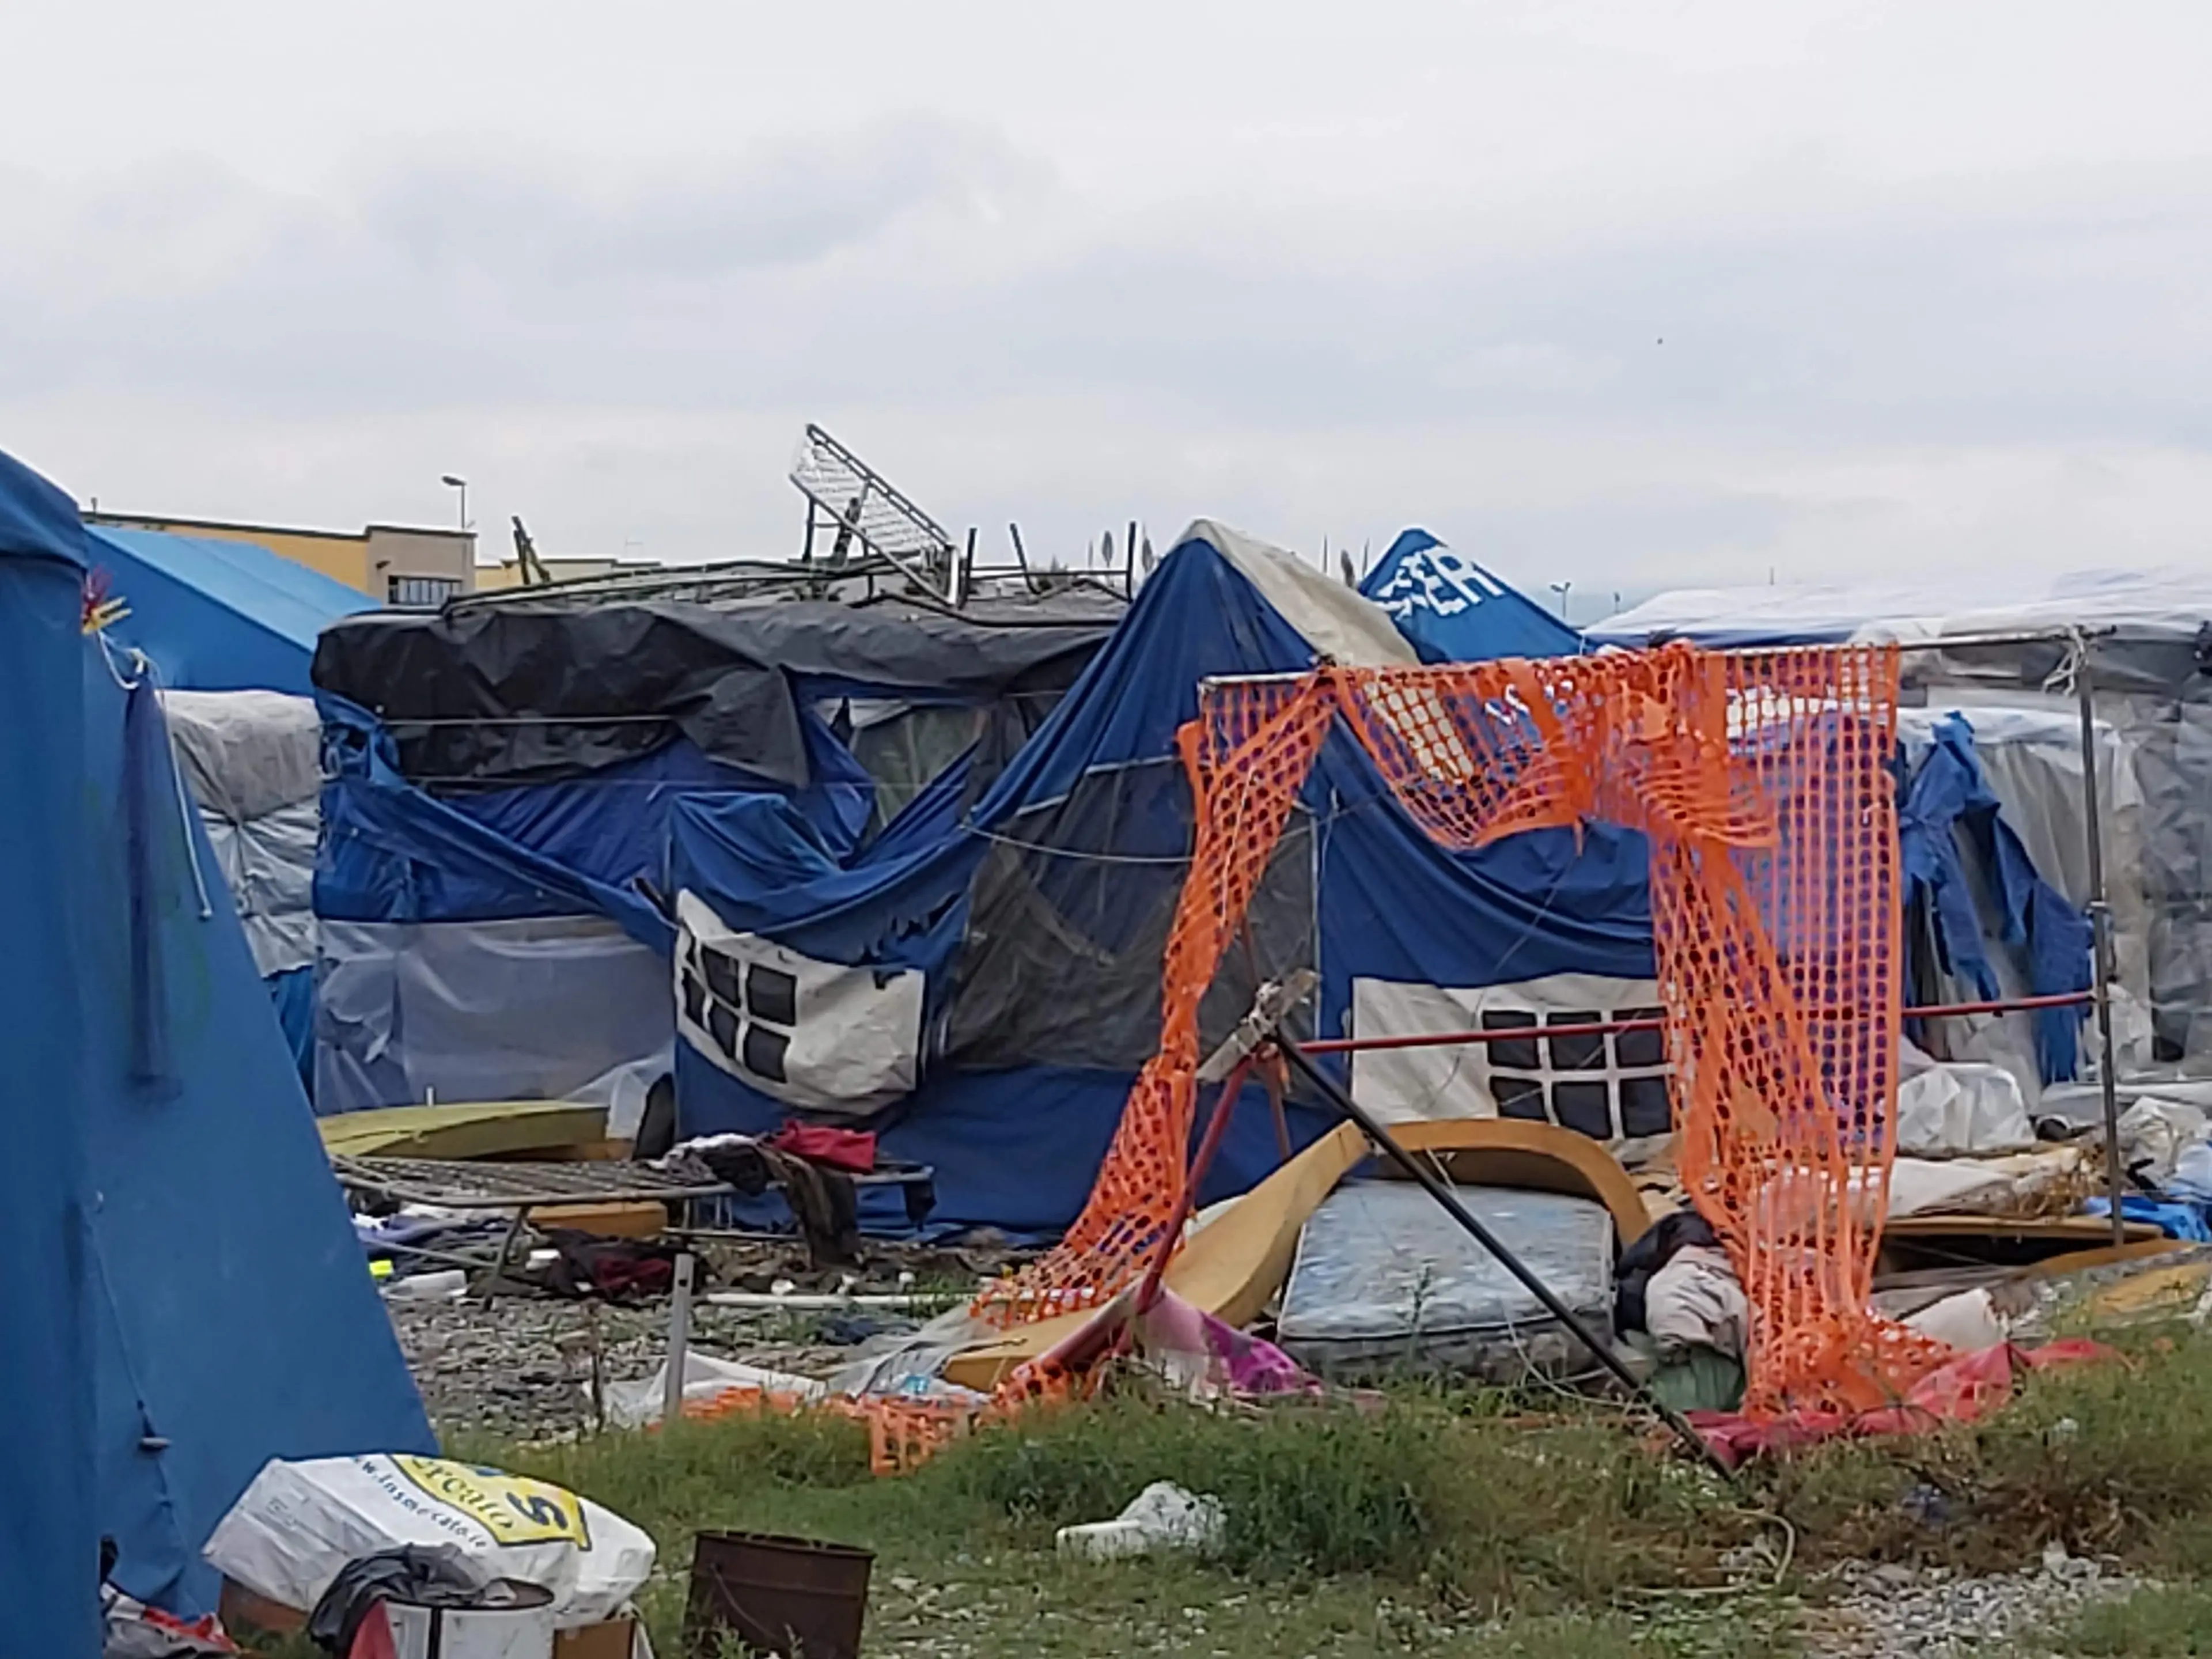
<point>771,995</point>
<point>1645,1107</point>
<point>695,999</point>
<point>1585,1108</point>
<point>722,1025</point>
<point>1577,1054</point>
<point>1511,1054</point>
<point>763,1052</point>
<point>1641,1047</point>
<point>721,976</point>
<point>1520,1097</point>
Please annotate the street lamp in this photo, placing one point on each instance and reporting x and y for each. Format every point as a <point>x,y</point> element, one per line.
<point>1561,589</point>
<point>461,484</point>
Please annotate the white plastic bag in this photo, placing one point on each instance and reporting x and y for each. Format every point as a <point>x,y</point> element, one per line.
<point>1163,1516</point>
<point>299,1524</point>
<point>1945,1110</point>
<point>706,1380</point>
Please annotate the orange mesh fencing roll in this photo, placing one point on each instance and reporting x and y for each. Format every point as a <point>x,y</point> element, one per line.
<point>1763,782</point>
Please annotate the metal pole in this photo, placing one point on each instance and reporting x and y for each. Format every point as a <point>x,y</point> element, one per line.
<point>2101,927</point>
<point>679,1339</point>
<point>1658,1023</point>
<point>1443,1195</point>
<point>1148,1290</point>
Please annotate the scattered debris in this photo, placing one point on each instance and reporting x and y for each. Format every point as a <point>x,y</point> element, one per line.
<point>1163,1516</point>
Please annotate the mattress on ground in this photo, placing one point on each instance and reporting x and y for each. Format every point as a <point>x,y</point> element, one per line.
<point>1384,1281</point>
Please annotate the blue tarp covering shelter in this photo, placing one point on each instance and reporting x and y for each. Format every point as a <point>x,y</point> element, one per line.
<point>491,887</point>
<point>1947,796</point>
<point>1454,610</point>
<point>217,615</point>
<point>982,982</point>
<point>212,1260</point>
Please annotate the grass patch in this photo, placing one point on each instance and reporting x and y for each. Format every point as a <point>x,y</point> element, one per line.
<point>2163,1622</point>
<point>1460,1525</point>
<point>1484,1511</point>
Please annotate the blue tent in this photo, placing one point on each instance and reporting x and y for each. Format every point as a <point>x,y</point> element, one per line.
<point>1454,610</point>
<point>223,616</point>
<point>217,615</point>
<point>230,1315</point>
<point>491,884</point>
<point>983,981</point>
<point>49,1526</point>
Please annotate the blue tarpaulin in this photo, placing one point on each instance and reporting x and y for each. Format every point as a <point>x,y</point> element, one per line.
<point>1454,610</point>
<point>1036,919</point>
<point>213,1265</point>
<point>1948,796</point>
<point>493,864</point>
<point>217,615</point>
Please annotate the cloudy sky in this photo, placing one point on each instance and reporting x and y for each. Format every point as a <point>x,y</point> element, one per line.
<point>1629,294</point>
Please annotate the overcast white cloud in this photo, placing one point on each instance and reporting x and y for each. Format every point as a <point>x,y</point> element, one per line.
<point>1627,294</point>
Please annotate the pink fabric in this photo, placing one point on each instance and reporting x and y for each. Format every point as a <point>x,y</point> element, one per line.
<point>1211,1357</point>
<point>1960,1392</point>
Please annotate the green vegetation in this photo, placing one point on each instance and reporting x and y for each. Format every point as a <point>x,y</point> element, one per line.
<point>1471,1525</point>
<point>2167,1622</point>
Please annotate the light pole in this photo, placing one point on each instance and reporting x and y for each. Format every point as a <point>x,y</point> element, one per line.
<point>462,484</point>
<point>1562,589</point>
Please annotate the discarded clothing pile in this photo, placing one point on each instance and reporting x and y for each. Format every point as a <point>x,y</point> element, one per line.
<point>614,1269</point>
<point>1677,1298</point>
<point>817,1168</point>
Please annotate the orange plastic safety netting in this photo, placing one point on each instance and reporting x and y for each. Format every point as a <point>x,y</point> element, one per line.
<point>1763,783</point>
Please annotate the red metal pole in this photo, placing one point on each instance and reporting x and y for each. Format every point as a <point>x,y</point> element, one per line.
<point>1148,1290</point>
<point>1605,1027</point>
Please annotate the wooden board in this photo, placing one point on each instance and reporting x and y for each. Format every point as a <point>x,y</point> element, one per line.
<point>479,1130</point>
<point>1238,1260</point>
<point>2068,1229</point>
<point>618,1221</point>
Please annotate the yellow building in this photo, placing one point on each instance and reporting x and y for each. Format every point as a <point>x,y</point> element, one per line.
<point>393,564</point>
<point>507,573</point>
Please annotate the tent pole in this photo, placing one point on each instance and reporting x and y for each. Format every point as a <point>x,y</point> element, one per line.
<point>1148,1291</point>
<point>2101,926</point>
<point>1429,1183</point>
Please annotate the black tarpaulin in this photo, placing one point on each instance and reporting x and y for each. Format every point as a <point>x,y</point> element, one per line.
<point>532,690</point>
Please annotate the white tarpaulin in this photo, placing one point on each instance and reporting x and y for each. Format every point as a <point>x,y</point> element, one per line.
<point>252,760</point>
<point>544,1008</point>
<point>817,1035</point>
<point>1613,1088</point>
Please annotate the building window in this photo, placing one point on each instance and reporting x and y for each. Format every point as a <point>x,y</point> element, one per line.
<point>423,593</point>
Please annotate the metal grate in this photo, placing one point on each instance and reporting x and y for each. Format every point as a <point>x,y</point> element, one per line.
<point>853,509</point>
<point>459,1185</point>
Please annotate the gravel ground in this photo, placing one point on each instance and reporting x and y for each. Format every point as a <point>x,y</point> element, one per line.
<point>520,1364</point>
<point>1898,1613</point>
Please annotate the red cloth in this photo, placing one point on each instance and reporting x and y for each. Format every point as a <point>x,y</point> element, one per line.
<point>1959,1392</point>
<point>372,1638</point>
<point>853,1150</point>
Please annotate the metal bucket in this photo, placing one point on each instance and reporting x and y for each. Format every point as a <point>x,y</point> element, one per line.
<point>788,1596</point>
<point>517,1622</point>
